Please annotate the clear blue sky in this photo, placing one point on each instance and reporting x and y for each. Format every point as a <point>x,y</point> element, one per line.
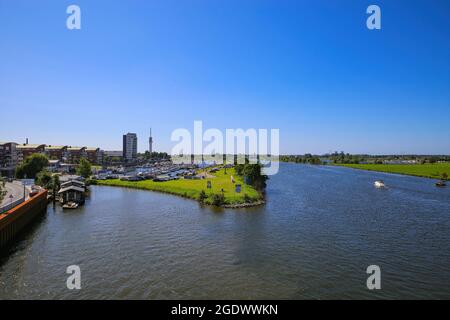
<point>310,68</point>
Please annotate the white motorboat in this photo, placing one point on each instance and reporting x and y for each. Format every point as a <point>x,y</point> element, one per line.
<point>70,205</point>
<point>379,184</point>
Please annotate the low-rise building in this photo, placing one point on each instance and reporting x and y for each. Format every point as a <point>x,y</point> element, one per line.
<point>67,168</point>
<point>94,155</point>
<point>112,156</point>
<point>54,165</point>
<point>74,154</point>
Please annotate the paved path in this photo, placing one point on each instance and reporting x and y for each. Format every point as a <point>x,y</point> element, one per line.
<point>15,189</point>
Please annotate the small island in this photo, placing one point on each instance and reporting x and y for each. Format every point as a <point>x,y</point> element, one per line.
<point>224,188</point>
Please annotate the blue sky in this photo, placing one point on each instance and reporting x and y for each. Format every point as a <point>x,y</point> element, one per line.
<point>310,68</point>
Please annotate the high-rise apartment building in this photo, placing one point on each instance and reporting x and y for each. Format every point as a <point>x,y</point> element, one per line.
<point>130,147</point>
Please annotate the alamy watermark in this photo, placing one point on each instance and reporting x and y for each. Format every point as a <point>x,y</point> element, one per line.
<point>374,20</point>
<point>374,280</point>
<point>235,146</point>
<point>73,21</point>
<point>73,282</point>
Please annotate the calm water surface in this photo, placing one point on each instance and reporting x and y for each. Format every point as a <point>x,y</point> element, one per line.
<point>315,237</point>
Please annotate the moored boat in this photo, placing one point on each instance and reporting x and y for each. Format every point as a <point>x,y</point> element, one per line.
<point>70,205</point>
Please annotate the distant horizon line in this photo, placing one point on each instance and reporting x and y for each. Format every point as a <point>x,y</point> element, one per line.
<point>283,154</point>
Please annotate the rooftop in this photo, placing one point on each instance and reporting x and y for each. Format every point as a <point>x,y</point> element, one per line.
<point>71,188</point>
<point>55,147</point>
<point>30,146</point>
<point>75,148</point>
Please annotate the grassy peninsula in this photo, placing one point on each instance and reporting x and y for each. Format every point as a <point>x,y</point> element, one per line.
<point>193,189</point>
<point>427,170</point>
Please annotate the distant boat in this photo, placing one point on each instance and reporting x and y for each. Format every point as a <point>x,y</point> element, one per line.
<point>379,184</point>
<point>441,183</point>
<point>70,205</point>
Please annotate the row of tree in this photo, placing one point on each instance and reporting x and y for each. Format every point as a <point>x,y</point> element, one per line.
<point>347,158</point>
<point>307,158</point>
<point>156,155</point>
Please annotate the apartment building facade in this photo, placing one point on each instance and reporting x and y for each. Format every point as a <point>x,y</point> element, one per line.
<point>129,147</point>
<point>26,150</point>
<point>8,158</point>
<point>56,152</point>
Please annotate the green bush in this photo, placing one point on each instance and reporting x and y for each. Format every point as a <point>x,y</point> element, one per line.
<point>218,199</point>
<point>202,196</point>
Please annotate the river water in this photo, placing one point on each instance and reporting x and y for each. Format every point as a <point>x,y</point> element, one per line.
<point>319,231</point>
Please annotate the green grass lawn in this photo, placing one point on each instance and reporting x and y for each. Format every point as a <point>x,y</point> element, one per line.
<point>428,170</point>
<point>192,188</point>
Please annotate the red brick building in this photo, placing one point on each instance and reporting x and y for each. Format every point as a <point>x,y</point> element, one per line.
<point>56,152</point>
<point>94,155</point>
<point>74,154</point>
<point>26,150</point>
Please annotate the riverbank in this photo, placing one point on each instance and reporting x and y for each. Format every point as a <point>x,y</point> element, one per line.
<point>428,170</point>
<point>192,189</point>
<point>17,218</point>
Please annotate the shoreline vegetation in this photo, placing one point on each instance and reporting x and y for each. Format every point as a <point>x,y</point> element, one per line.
<point>222,192</point>
<point>426,166</point>
<point>429,170</point>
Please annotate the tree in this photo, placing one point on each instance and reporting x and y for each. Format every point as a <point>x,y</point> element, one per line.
<point>84,168</point>
<point>48,181</point>
<point>55,184</point>
<point>218,199</point>
<point>253,175</point>
<point>32,166</point>
<point>44,179</point>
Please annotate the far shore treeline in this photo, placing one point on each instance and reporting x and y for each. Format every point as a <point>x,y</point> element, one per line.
<point>428,166</point>
<point>347,158</point>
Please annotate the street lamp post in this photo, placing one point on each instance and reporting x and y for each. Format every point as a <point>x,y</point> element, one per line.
<point>24,183</point>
